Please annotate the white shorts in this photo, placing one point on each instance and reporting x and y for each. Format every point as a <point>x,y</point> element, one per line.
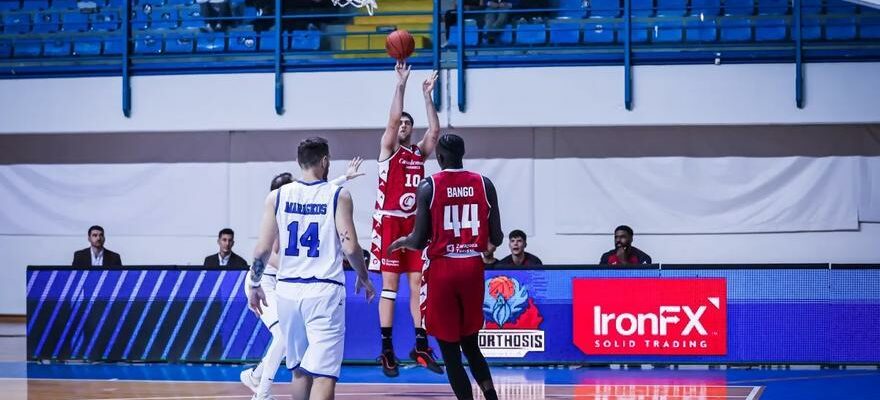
<point>312,318</point>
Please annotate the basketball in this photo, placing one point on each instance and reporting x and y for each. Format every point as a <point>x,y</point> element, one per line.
<point>400,45</point>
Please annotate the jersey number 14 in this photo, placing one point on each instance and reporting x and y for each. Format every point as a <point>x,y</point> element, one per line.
<point>309,239</point>
<point>456,218</point>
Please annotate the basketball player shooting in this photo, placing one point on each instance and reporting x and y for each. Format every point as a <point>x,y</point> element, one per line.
<point>457,218</point>
<point>401,168</point>
<point>259,379</point>
<point>312,221</point>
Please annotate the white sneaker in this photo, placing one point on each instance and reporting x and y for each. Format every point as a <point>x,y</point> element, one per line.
<point>258,397</point>
<point>247,378</point>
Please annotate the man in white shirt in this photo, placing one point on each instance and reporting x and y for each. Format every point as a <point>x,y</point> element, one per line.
<point>225,257</point>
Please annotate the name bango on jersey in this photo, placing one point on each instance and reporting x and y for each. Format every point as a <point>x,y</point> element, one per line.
<point>399,178</point>
<point>459,215</point>
<point>309,244</point>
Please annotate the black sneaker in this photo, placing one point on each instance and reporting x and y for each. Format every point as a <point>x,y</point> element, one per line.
<point>389,364</point>
<point>426,359</point>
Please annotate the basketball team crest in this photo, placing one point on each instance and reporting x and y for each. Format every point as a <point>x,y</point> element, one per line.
<point>512,319</point>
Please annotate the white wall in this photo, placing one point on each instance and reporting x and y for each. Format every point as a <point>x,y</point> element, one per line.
<point>571,96</point>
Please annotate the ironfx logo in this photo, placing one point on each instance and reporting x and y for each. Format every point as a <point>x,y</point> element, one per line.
<point>651,316</point>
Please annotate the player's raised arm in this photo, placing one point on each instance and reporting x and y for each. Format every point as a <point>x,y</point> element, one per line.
<point>350,246</point>
<point>429,141</point>
<point>389,138</point>
<point>418,239</point>
<point>496,235</point>
<point>268,235</point>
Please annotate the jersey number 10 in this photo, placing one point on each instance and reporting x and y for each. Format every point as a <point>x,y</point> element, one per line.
<point>308,239</point>
<point>465,217</point>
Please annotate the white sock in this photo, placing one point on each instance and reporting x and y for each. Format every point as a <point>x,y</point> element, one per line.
<point>271,361</point>
<point>257,372</point>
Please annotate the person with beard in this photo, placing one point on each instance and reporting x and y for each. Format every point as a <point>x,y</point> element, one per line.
<point>624,252</point>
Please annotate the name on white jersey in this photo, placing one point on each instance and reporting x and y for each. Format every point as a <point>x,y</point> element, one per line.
<point>467,191</point>
<point>305,209</point>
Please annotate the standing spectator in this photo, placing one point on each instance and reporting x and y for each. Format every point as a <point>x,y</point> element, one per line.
<point>624,252</point>
<point>495,21</point>
<point>518,255</point>
<point>225,257</point>
<point>96,255</point>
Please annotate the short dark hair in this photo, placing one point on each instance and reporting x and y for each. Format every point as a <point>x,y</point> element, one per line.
<point>226,231</point>
<point>516,233</point>
<point>95,228</point>
<point>625,229</point>
<point>281,180</point>
<point>311,151</point>
<point>452,145</point>
<point>406,114</point>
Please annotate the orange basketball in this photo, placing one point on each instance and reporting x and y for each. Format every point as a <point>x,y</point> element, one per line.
<point>501,286</point>
<point>400,45</point>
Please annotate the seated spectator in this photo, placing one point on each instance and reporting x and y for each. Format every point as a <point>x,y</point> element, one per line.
<point>518,255</point>
<point>451,17</point>
<point>217,13</point>
<point>96,255</point>
<point>495,21</point>
<point>624,252</point>
<point>489,256</point>
<point>225,257</point>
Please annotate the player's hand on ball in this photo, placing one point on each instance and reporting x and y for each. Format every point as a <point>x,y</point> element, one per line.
<point>353,166</point>
<point>257,297</point>
<point>428,84</point>
<point>369,291</point>
<point>402,70</point>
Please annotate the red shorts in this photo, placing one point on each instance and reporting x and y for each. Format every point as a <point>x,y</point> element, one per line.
<point>387,229</point>
<point>453,290</point>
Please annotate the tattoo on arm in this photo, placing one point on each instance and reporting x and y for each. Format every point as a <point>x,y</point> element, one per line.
<point>344,236</point>
<point>257,268</point>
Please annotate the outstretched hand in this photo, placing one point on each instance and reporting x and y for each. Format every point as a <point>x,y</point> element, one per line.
<point>402,69</point>
<point>353,168</point>
<point>428,84</point>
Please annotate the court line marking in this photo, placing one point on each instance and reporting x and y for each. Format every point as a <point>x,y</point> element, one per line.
<point>801,378</point>
<point>386,384</point>
<point>753,393</point>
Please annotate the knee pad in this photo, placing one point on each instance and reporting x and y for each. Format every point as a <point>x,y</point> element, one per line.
<point>389,294</point>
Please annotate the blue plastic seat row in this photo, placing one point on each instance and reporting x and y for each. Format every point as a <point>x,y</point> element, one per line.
<point>650,8</point>
<point>49,22</point>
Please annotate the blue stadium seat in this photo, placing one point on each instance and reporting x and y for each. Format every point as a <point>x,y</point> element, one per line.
<point>811,7</point>
<point>211,42</point>
<point>56,48</point>
<point>9,5</point>
<point>736,30</point>
<point>249,15</point>
<point>604,8</point>
<point>531,34</point>
<point>113,45</point>
<point>268,42</point>
<point>571,9</point>
<point>27,48</point>
<point>106,21</point>
<point>739,7</point>
<point>191,17</point>
<point>697,30</point>
<point>774,7</point>
<point>179,43</point>
<point>771,29</point>
<point>565,31</point>
<point>63,5</point>
<point>246,40</point>
<point>839,7</point>
<point>642,8</point>
<point>140,20</point>
<point>840,28</point>
<point>308,39</point>
<point>86,47</point>
<point>17,22</point>
<point>148,43</point>
<point>870,27</point>
<point>671,8</point>
<point>5,49</point>
<point>597,33</point>
<point>639,32</point>
<point>667,32</point>
<point>471,34</point>
<point>163,18</point>
<point>706,8</point>
<point>506,36</point>
<point>181,2</point>
<point>811,28</point>
<point>35,5</point>
<point>74,22</point>
<point>46,22</point>
<point>151,3</point>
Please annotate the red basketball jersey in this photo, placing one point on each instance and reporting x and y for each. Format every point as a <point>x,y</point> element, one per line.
<point>399,177</point>
<point>459,215</point>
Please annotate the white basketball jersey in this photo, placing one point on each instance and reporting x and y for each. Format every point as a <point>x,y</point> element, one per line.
<point>309,250</point>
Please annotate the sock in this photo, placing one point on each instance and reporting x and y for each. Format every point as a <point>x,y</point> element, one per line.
<point>479,366</point>
<point>386,340</point>
<point>421,339</point>
<point>257,371</point>
<point>490,394</point>
<point>272,360</point>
